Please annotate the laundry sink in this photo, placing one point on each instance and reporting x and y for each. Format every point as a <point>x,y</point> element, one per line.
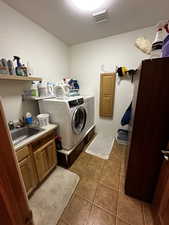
<point>21,134</point>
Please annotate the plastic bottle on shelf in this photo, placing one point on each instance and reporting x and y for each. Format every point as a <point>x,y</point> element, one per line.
<point>156,51</point>
<point>11,67</point>
<point>43,90</point>
<point>34,89</point>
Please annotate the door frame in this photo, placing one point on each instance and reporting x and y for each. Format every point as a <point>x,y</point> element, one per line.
<point>14,206</point>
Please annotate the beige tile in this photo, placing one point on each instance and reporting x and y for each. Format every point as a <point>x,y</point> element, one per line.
<point>77,211</point>
<point>120,222</point>
<point>116,151</point>
<point>119,152</point>
<point>148,216</point>
<point>122,184</point>
<point>61,222</point>
<point>130,210</point>
<point>100,217</point>
<point>110,179</point>
<point>112,166</point>
<point>106,198</point>
<point>84,156</point>
<point>86,189</point>
<point>92,172</point>
<point>98,162</point>
<point>79,167</point>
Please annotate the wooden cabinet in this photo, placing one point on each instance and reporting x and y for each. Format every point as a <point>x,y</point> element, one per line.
<point>107,90</point>
<point>37,160</point>
<point>41,163</point>
<point>149,128</point>
<point>27,169</point>
<point>51,155</point>
<point>161,199</point>
<point>45,159</point>
<point>28,175</point>
<point>14,206</point>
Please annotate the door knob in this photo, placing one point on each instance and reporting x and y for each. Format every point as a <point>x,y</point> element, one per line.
<point>165,154</point>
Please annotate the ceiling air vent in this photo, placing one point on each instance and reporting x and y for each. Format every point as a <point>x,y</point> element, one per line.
<point>101,16</point>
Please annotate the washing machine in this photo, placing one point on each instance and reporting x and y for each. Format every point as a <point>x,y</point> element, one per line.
<point>70,114</point>
<point>90,107</point>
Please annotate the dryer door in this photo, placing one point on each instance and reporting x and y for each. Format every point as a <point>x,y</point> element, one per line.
<point>79,120</point>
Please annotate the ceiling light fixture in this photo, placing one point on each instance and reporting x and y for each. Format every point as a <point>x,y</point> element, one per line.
<point>88,5</point>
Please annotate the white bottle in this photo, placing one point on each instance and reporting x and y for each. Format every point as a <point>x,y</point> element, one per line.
<point>50,88</point>
<point>43,90</point>
<point>157,44</point>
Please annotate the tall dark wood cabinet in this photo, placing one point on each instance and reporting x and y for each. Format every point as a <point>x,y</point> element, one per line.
<point>161,197</point>
<point>149,128</point>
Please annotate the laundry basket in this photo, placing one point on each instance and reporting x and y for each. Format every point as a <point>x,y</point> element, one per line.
<point>43,119</point>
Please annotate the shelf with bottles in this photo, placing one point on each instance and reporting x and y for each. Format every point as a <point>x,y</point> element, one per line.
<point>19,78</point>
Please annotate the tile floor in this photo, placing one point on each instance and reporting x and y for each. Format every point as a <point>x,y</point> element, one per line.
<point>99,198</point>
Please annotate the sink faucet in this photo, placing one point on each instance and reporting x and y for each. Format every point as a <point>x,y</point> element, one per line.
<point>11,125</point>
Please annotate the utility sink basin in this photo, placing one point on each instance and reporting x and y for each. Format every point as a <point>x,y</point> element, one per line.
<point>21,134</point>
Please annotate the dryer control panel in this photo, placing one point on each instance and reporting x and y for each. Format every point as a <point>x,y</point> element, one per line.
<point>76,102</point>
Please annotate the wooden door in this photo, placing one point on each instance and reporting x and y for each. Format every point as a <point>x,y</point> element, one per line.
<point>14,208</point>
<point>41,163</point>
<point>166,212</point>
<point>149,130</point>
<point>51,155</point>
<point>45,159</point>
<point>27,171</point>
<point>161,199</point>
<point>107,91</point>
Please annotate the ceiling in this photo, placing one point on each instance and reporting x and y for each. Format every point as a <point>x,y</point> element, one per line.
<point>73,26</point>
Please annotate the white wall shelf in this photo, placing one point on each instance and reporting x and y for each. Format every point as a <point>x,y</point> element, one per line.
<point>19,78</point>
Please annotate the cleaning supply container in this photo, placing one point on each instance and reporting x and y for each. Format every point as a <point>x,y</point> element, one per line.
<point>43,90</point>
<point>34,89</point>
<point>29,119</point>
<point>43,120</point>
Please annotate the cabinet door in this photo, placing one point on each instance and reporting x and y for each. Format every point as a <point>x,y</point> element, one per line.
<point>45,159</point>
<point>107,90</point>
<point>161,199</point>
<point>41,163</point>
<point>107,108</point>
<point>51,155</point>
<point>107,83</point>
<point>28,175</point>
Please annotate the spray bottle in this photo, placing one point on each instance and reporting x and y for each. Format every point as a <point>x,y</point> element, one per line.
<point>18,69</point>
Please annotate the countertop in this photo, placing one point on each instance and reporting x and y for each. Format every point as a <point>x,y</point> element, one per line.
<point>27,141</point>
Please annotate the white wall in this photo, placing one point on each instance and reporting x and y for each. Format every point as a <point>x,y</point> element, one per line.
<point>52,59</point>
<point>85,64</point>
<point>47,56</point>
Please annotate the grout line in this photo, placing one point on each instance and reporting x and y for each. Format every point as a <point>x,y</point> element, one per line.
<point>117,217</point>
<point>105,210</point>
<point>144,219</point>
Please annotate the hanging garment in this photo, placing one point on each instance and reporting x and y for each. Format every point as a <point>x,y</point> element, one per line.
<point>127,116</point>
